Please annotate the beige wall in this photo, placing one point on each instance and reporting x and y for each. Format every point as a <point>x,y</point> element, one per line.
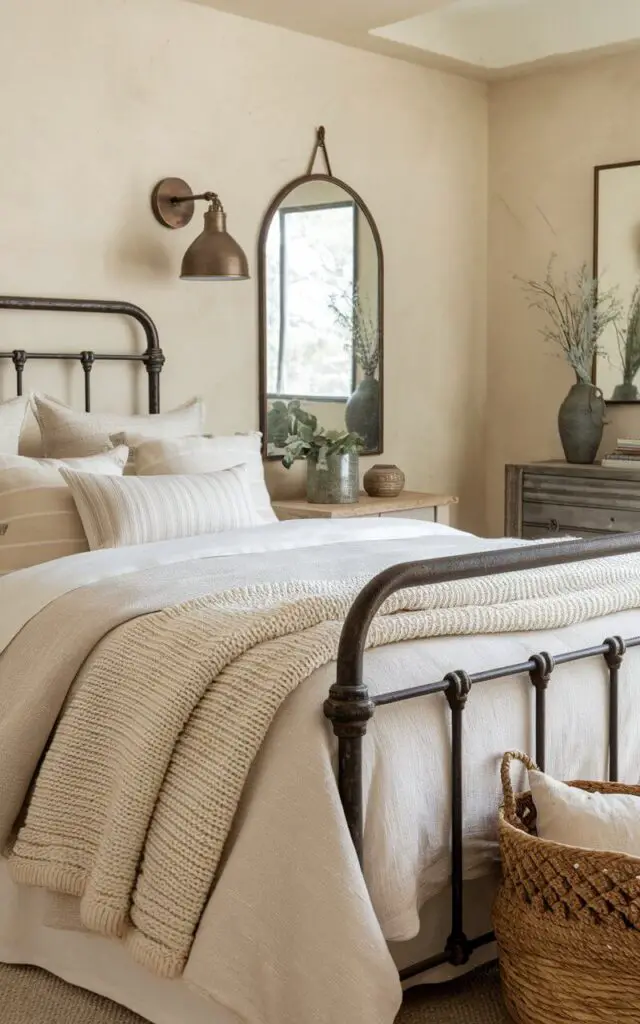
<point>104,98</point>
<point>547,132</point>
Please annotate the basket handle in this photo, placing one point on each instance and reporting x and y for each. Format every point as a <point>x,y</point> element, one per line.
<point>505,775</point>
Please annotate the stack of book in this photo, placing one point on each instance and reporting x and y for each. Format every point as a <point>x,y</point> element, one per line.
<point>625,456</point>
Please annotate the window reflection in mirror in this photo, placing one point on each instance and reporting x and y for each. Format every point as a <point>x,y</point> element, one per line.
<point>311,259</point>
<point>321,332</point>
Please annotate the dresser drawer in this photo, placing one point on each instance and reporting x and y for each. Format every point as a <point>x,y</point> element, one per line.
<point>588,491</point>
<point>555,499</point>
<point>564,519</point>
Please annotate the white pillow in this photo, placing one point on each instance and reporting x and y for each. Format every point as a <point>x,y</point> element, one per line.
<point>67,433</point>
<point>203,455</point>
<point>139,510</point>
<point>595,821</point>
<point>12,414</point>
<point>38,517</point>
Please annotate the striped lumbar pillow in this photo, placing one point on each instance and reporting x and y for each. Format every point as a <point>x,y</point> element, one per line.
<point>162,456</point>
<point>38,516</point>
<point>12,414</point>
<point>139,510</point>
<point>67,433</point>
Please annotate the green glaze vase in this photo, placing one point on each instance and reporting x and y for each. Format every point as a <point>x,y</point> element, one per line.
<point>362,414</point>
<point>581,423</point>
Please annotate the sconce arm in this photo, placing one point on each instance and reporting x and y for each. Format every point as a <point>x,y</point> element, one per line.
<point>210,197</point>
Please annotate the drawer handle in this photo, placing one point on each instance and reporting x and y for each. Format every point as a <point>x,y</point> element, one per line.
<point>554,525</point>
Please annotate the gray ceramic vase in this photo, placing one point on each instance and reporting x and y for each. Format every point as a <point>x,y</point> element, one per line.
<point>362,414</point>
<point>625,393</point>
<point>338,484</point>
<point>581,423</point>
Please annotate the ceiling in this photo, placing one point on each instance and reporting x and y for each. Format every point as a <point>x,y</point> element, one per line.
<point>481,38</point>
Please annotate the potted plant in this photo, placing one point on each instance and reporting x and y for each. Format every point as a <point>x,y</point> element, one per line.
<point>629,349</point>
<point>331,456</point>
<point>353,314</point>
<point>577,313</point>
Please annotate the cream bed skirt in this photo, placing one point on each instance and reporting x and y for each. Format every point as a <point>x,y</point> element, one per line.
<point>105,967</point>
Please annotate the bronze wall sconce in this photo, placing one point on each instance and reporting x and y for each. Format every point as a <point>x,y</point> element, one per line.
<point>214,255</point>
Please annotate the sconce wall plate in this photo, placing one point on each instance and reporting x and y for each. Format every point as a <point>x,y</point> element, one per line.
<point>171,214</point>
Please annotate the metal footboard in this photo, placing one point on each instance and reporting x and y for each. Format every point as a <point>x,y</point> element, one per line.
<point>350,706</point>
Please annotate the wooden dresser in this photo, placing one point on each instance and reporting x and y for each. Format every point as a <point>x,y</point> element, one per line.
<point>546,499</point>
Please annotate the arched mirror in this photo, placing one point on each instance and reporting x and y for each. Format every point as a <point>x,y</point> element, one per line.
<point>321,312</point>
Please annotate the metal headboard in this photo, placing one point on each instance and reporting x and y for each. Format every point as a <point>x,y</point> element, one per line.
<point>152,357</point>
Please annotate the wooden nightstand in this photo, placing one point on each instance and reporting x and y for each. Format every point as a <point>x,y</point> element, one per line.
<point>432,508</point>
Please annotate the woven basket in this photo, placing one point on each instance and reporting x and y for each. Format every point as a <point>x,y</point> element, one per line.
<point>567,921</point>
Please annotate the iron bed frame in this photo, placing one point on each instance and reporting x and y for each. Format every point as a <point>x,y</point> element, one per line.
<point>349,706</point>
<point>152,358</point>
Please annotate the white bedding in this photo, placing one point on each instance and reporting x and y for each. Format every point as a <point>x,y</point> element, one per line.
<point>23,594</point>
<point>299,936</point>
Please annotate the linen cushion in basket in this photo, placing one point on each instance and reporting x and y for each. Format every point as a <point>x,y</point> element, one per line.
<point>139,510</point>
<point>39,520</point>
<point>67,433</point>
<point>203,455</point>
<point>595,821</point>
<point>12,414</point>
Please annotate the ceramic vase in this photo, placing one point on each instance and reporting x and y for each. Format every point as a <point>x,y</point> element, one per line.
<point>625,393</point>
<point>581,423</point>
<point>362,414</point>
<point>383,481</point>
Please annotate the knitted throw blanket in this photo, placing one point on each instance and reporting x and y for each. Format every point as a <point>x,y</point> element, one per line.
<point>137,793</point>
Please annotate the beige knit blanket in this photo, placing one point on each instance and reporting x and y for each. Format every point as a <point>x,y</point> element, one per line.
<point>139,788</point>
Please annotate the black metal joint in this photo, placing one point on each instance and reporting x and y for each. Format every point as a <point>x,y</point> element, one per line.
<point>19,358</point>
<point>458,950</point>
<point>87,359</point>
<point>154,360</point>
<point>616,649</point>
<point>541,674</point>
<point>349,708</point>
<point>458,689</point>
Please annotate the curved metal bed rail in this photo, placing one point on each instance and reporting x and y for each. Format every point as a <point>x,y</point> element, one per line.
<point>152,357</point>
<point>350,706</point>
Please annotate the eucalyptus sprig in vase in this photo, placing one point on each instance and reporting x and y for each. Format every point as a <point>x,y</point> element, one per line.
<point>332,456</point>
<point>577,313</point>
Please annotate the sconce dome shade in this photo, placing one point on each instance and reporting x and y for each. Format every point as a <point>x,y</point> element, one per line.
<point>215,255</point>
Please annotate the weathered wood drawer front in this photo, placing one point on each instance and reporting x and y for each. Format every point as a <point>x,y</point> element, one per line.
<point>590,491</point>
<point>554,499</point>
<point>562,518</point>
<point>543,533</point>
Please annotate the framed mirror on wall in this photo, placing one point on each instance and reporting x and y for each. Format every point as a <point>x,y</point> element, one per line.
<point>320,282</point>
<point>617,265</point>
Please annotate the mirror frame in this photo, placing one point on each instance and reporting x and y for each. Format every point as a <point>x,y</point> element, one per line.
<point>262,298</point>
<point>596,232</point>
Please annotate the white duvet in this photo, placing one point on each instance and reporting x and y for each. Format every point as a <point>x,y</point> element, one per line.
<point>299,935</point>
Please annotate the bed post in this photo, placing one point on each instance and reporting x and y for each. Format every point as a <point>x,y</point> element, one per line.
<point>349,708</point>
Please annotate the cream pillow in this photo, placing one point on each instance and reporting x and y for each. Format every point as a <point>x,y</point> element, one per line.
<point>38,516</point>
<point>203,455</point>
<point>12,414</point>
<point>595,821</point>
<point>67,433</point>
<point>139,510</point>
